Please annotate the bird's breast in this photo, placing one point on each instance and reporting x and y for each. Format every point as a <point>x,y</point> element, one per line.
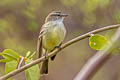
<point>54,36</point>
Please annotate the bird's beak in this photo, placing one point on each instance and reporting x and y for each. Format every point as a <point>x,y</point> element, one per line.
<point>64,15</point>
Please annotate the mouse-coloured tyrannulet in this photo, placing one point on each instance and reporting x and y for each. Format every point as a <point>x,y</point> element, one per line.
<point>51,36</point>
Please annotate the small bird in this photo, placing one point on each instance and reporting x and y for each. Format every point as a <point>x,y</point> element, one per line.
<point>50,37</point>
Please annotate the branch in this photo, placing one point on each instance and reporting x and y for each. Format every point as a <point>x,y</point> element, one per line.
<point>57,50</point>
<point>91,67</point>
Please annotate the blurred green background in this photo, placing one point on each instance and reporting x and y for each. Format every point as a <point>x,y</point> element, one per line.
<point>20,22</point>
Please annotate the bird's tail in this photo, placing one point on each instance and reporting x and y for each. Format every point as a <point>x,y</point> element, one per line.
<point>44,67</point>
<point>53,57</point>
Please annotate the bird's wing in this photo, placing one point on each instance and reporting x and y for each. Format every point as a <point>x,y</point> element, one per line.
<point>39,44</point>
<point>44,29</point>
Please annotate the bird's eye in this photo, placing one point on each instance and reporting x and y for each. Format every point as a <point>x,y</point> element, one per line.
<point>58,15</point>
<point>53,14</point>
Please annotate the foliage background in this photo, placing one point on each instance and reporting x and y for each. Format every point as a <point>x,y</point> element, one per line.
<point>20,22</point>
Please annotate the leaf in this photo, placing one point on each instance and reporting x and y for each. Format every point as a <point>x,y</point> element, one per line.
<point>98,42</point>
<point>4,60</point>
<point>15,54</point>
<point>9,55</point>
<point>32,73</point>
<point>10,66</point>
<point>31,56</point>
<point>28,54</point>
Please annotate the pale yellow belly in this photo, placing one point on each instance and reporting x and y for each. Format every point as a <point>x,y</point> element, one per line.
<point>53,38</point>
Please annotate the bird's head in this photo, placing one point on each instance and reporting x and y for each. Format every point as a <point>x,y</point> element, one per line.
<point>55,15</point>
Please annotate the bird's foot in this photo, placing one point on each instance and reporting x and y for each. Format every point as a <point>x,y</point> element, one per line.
<point>45,55</point>
<point>57,47</point>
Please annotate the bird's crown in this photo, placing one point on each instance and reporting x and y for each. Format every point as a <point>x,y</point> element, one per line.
<point>55,15</point>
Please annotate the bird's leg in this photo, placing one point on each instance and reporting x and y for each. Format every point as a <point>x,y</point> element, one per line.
<point>59,46</point>
<point>45,54</point>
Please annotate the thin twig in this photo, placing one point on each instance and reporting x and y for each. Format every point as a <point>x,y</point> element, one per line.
<point>91,67</point>
<point>57,50</point>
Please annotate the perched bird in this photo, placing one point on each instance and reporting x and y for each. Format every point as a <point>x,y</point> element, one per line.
<point>51,36</point>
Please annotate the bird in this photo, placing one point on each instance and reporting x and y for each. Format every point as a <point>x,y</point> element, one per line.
<point>51,36</point>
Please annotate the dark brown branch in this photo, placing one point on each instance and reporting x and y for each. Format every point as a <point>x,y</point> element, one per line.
<point>57,50</point>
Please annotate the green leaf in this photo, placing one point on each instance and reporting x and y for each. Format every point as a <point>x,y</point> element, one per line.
<point>98,42</point>
<point>9,55</point>
<point>10,66</point>
<point>31,56</point>
<point>4,60</point>
<point>28,54</point>
<point>32,73</point>
<point>15,54</point>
